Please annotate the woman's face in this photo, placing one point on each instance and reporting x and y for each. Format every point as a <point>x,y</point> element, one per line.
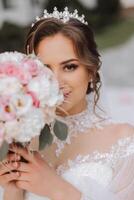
<point>58,54</point>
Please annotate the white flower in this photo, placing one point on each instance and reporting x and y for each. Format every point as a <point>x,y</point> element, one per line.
<point>21,103</point>
<point>29,94</point>
<point>40,86</point>
<point>46,89</point>
<point>11,56</point>
<point>56,97</point>
<point>31,125</point>
<point>9,85</point>
<point>11,130</point>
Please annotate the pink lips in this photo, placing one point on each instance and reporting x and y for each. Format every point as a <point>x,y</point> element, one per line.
<point>66,91</point>
<point>66,94</point>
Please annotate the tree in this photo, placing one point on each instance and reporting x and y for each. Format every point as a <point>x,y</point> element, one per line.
<point>107,11</point>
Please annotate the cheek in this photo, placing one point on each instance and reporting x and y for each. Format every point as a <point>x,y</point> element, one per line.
<point>81,86</point>
<point>79,83</point>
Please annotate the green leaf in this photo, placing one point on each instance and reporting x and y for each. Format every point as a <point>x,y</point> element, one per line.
<point>45,137</point>
<point>4,150</point>
<point>60,130</point>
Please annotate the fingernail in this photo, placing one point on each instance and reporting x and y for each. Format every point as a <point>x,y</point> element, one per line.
<point>17,174</point>
<point>18,157</point>
<point>15,164</point>
<point>11,149</point>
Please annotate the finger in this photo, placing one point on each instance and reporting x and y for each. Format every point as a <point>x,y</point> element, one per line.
<point>9,177</point>
<point>23,167</point>
<point>23,176</point>
<point>8,167</point>
<point>22,152</point>
<point>11,157</point>
<point>23,185</point>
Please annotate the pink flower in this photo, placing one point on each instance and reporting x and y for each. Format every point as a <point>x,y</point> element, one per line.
<point>32,67</point>
<point>27,87</point>
<point>6,113</point>
<point>36,102</point>
<point>11,70</point>
<point>6,110</point>
<point>24,76</point>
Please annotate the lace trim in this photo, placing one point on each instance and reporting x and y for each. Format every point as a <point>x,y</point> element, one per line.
<point>79,123</point>
<point>123,148</point>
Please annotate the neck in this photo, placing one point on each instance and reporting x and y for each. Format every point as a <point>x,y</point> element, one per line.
<point>78,108</point>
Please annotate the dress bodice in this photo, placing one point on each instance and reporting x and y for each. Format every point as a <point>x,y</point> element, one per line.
<point>97,175</point>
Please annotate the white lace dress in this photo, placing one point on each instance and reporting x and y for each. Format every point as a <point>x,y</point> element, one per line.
<point>107,175</point>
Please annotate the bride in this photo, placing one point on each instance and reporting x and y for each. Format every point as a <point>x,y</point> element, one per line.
<point>96,161</point>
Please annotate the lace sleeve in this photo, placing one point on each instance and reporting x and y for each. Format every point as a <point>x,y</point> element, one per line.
<point>104,176</point>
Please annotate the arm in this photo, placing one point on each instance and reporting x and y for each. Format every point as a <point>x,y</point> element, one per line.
<point>8,187</point>
<point>11,192</point>
<point>65,191</point>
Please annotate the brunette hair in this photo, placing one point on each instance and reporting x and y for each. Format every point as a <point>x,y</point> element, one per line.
<point>83,40</point>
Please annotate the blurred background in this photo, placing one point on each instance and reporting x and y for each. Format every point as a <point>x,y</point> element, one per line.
<point>113,23</point>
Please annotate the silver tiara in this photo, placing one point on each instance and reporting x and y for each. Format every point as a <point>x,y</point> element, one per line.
<point>63,16</point>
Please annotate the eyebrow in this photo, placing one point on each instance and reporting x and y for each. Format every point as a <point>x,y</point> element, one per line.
<point>67,61</point>
<point>64,62</point>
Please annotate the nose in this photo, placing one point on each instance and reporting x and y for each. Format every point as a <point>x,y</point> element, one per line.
<point>58,75</point>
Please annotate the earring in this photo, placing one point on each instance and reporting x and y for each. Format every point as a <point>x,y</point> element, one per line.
<point>91,84</point>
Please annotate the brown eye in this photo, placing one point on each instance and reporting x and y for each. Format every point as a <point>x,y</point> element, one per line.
<point>70,67</point>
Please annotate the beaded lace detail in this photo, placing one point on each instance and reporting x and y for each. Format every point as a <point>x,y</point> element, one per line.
<point>123,148</point>
<point>79,123</point>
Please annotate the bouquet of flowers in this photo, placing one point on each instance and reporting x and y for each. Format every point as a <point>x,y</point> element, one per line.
<point>29,95</point>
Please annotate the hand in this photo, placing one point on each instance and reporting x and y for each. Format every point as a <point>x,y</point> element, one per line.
<point>38,177</point>
<point>7,176</point>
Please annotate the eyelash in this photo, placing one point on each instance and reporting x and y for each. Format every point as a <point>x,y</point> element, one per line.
<point>69,67</point>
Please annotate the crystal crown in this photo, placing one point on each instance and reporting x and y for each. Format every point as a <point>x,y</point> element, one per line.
<point>63,16</point>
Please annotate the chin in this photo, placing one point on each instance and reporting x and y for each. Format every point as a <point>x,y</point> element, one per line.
<point>64,109</point>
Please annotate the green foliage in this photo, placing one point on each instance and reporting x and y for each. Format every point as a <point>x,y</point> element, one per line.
<point>60,130</point>
<point>45,138</point>
<point>4,150</point>
<point>104,14</point>
<point>12,38</point>
<point>115,34</point>
<point>110,7</point>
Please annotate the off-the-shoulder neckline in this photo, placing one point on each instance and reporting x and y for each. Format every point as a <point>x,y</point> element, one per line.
<point>121,149</point>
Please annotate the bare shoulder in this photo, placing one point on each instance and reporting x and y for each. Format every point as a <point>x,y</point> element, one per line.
<point>121,130</point>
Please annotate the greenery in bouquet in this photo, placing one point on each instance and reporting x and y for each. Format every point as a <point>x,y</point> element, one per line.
<point>29,96</point>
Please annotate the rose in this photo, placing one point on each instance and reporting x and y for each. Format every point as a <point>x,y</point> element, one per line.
<point>40,87</point>
<point>30,125</point>
<point>6,111</point>
<point>11,130</point>
<point>55,97</point>
<point>32,67</point>
<point>29,95</point>
<point>9,85</point>
<point>21,103</point>
<point>46,90</point>
<point>14,57</point>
